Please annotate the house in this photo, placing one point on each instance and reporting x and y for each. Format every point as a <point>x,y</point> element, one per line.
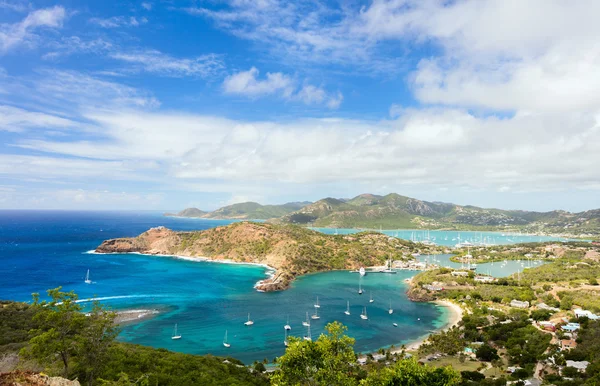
<point>585,313</point>
<point>579,365</point>
<point>571,327</point>
<point>431,287</point>
<point>567,344</point>
<point>484,279</point>
<point>460,273</point>
<point>519,304</point>
<point>548,326</point>
<point>595,242</point>
<point>544,306</point>
<point>512,369</point>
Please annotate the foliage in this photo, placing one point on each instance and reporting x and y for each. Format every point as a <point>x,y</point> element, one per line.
<point>487,353</point>
<point>410,373</point>
<point>328,361</point>
<point>448,342</point>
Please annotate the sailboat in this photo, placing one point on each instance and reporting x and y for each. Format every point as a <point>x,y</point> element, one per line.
<point>371,298</point>
<point>175,335</point>
<point>316,315</point>
<point>287,326</point>
<point>87,278</point>
<point>360,291</point>
<point>249,322</point>
<point>307,336</point>
<point>347,312</point>
<point>364,314</point>
<point>362,271</point>
<point>225,343</point>
<point>306,323</point>
<point>391,310</point>
<point>317,304</point>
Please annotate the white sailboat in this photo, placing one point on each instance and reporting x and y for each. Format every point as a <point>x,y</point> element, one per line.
<point>317,303</point>
<point>362,271</point>
<point>306,323</point>
<point>316,315</point>
<point>87,278</point>
<point>364,314</point>
<point>391,310</point>
<point>307,336</point>
<point>371,298</point>
<point>225,343</point>
<point>360,291</point>
<point>347,312</point>
<point>395,324</point>
<point>249,322</point>
<point>287,326</point>
<point>175,334</point>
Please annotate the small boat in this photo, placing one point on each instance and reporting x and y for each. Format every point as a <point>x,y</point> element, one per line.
<point>395,324</point>
<point>362,271</point>
<point>225,340</point>
<point>347,312</point>
<point>175,335</point>
<point>249,322</point>
<point>87,278</point>
<point>306,323</point>
<point>391,310</point>
<point>371,298</point>
<point>360,291</point>
<point>317,304</point>
<point>316,315</point>
<point>307,336</point>
<point>364,314</point>
<point>287,326</point>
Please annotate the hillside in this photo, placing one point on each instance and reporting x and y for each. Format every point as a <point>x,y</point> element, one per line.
<point>396,211</point>
<point>290,250</point>
<point>243,211</point>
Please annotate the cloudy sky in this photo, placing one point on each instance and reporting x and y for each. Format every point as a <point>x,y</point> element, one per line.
<point>165,104</point>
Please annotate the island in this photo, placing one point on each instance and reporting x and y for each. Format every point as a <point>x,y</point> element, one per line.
<point>289,250</point>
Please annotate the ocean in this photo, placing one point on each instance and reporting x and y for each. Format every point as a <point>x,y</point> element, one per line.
<point>40,250</point>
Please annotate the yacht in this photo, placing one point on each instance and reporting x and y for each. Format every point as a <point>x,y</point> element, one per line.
<point>249,322</point>
<point>371,298</point>
<point>287,327</point>
<point>87,278</point>
<point>347,312</point>
<point>316,315</point>
<point>391,310</point>
<point>306,323</point>
<point>362,271</point>
<point>175,335</point>
<point>317,303</point>
<point>363,316</point>
<point>225,343</point>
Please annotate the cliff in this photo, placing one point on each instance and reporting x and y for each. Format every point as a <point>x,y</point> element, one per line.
<point>291,250</point>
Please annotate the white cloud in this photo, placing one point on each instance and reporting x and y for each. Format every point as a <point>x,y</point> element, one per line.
<point>147,6</point>
<point>118,21</point>
<point>154,61</point>
<point>75,44</point>
<point>16,6</point>
<point>16,119</point>
<point>22,33</point>
<point>247,83</point>
<point>435,148</point>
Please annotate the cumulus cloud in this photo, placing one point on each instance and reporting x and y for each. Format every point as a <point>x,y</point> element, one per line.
<point>249,84</point>
<point>438,148</point>
<point>156,62</point>
<point>23,32</point>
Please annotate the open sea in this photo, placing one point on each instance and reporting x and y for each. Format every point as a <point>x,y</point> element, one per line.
<point>46,249</point>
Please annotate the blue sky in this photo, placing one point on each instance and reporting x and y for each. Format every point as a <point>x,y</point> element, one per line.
<point>168,104</point>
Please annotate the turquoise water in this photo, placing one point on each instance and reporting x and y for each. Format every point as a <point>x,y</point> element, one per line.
<point>42,250</point>
<point>451,238</point>
<point>496,269</point>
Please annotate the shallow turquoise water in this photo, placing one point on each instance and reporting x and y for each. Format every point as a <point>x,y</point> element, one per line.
<point>496,269</point>
<point>42,250</point>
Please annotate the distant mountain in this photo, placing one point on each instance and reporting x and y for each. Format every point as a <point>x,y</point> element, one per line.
<point>245,210</point>
<point>396,211</point>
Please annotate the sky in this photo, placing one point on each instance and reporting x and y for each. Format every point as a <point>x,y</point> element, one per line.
<point>165,104</point>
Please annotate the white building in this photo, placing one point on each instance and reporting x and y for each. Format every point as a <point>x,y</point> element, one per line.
<point>579,365</point>
<point>519,304</point>
<point>588,314</point>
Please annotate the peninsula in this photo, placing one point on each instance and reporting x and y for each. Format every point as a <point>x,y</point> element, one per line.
<point>289,249</point>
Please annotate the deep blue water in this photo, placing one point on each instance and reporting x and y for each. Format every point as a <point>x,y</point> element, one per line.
<point>42,250</point>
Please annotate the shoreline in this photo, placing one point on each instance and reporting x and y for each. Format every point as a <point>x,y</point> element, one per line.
<point>134,316</point>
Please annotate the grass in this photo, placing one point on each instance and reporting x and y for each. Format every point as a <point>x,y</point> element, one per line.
<point>467,365</point>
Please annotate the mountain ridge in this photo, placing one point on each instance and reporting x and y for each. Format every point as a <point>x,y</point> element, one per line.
<point>394,211</point>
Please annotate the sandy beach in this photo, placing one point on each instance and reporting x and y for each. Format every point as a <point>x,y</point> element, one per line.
<point>128,316</point>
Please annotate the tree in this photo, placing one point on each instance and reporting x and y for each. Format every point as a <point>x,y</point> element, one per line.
<point>95,339</point>
<point>328,361</point>
<point>487,353</point>
<point>60,321</point>
<point>409,372</point>
<point>538,315</point>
